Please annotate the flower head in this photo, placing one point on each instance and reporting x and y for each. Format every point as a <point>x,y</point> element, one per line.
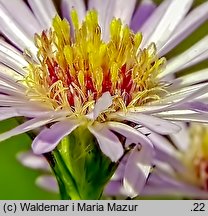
<point>181,168</point>
<point>75,70</point>
<point>194,156</point>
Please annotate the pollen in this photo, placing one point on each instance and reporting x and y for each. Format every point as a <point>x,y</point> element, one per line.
<point>76,66</point>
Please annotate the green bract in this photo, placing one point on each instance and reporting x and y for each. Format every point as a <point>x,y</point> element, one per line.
<point>80,167</point>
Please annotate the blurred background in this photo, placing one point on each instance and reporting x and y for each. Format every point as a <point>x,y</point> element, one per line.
<point>17,181</point>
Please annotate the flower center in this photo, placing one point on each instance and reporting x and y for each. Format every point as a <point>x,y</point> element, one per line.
<point>197,156</point>
<point>76,66</point>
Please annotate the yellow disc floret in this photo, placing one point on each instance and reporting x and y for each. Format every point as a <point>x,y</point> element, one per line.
<point>76,66</point>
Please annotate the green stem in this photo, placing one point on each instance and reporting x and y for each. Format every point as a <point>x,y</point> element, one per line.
<point>66,182</point>
<point>81,169</point>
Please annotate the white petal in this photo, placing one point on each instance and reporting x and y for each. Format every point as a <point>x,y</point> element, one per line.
<point>114,188</point>
<point>196,60</point>
<point>30,24</point>
<point>145,9</point>
<point>199,92</point>
<point>192,21</point>
<point>124,10</point>
<point>27,126</point>
<point>164,149</point>
<point>10,101</point>
<point>150,109</point>
<point>78,5</point>
<point>6,101</point>
<point>192,78</point>
<point>33,161</point>
<point>130,133</point>
<point>179,111</point>
<point>159,142</point>
<point>164,169</point>
<point>10,91</point>
<point>12,58</point>
<point>10,78</point>
<point>6,113</point>
<point>182,139</point>
<point>49,138</point>
<point>12,30</point>
<point>171,186</point>
<point>48,183</point>
<point>44,11</point>
<point>199,117</point>
<point>12,74</point>
<point>153,123</point>
<point>150,25</point>
<point>117,8</point>
<point>169,21</point>
<point>137,170</point>
<point>108,142</point>
<point>103,8</point>
<point>101,105</point>
<point>186,57</point>
<point>119,173</point>
<point>184,94</point>
<point>29,112</point>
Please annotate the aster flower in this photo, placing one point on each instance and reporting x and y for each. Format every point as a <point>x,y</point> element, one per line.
<point>85,85</point>
<point>182,165</point>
